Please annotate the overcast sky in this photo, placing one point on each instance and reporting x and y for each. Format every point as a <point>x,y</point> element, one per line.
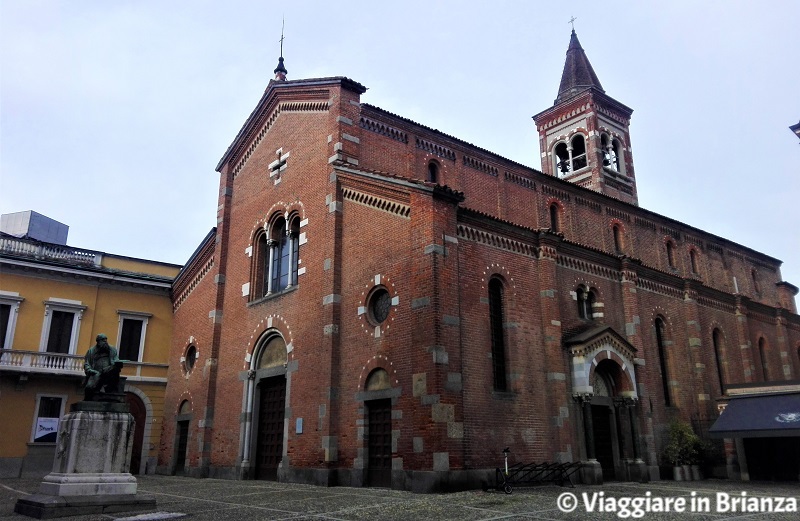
<point>114,114</point>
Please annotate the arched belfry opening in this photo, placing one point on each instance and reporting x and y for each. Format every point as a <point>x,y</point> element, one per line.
<point>604,388</point>
<point>264,419</point>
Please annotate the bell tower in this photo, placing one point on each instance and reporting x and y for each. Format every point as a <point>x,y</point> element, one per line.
<point>584,137</point>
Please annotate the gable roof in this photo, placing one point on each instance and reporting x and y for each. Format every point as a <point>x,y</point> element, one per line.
<point>250,125</point>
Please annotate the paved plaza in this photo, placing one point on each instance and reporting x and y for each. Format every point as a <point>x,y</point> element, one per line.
<point>212,499</point>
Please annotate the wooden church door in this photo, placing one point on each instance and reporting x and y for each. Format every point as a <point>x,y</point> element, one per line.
<point>379,444</point>
<point>271,412</point>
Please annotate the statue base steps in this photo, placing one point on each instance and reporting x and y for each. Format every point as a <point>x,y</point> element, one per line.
<point>43,506</point>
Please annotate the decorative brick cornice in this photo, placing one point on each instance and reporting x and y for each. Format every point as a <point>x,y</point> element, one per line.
<point>383,129</point>
<point>547,251</point>
<point>378,203</point>
<point>559,117</point>
<point>613,212</point>
<point>437,150</point>
<point>193,283</point>
<point>656,287</point>
<point>588,203</point>
<point>584,266</point>
<point>520,180</point>
<point>496,241</point>
<point>561,194</point>
<point>715,304</point>
<point>480,166</point>
<point>612,115</point>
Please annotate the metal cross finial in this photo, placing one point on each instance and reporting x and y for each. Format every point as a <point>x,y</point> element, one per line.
<point>283,24</point>
<point>572,21</point>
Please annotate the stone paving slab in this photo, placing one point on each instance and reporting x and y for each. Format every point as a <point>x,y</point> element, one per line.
<point>216,500</point>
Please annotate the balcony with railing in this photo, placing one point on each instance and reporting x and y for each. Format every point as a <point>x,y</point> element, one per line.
<point>30,362</point>
<point>48,251</point>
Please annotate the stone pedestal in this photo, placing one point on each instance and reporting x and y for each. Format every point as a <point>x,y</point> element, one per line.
<point>637,471</point>
<point>591,473</point>
<point>91,468</point>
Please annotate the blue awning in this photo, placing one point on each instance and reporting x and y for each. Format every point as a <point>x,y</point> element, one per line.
<point>762,416</point>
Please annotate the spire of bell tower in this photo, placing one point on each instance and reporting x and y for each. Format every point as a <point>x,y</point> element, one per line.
<point>280,71</point>
<point>578,74</point>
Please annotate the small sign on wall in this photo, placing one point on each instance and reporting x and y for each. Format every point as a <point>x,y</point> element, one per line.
<point>46,430</point>
<point>298,426</point>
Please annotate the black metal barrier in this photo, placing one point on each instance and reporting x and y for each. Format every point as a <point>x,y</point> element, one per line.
<point>529,474</point>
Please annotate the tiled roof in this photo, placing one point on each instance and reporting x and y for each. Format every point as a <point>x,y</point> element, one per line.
<point>493,155</point>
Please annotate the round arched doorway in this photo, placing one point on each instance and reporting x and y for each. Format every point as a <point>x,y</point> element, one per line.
<point>270,366</point>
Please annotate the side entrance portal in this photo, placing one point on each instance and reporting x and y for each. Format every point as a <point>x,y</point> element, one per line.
<point>604,440</point>
<point>271,412</point>
<point>379,445</point>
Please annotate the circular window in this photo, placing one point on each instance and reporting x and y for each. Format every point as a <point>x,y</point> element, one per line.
<point>380,302</point>
<point>189,359</point>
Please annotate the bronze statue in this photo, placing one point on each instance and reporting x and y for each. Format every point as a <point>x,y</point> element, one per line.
<point>102,367</point>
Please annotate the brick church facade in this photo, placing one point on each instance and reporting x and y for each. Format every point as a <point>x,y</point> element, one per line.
<point>382,304</point>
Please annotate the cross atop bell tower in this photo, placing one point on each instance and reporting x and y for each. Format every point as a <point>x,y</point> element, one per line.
<point>584,137</point>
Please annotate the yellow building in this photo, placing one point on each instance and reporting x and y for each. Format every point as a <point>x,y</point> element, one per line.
<point>54,300</point>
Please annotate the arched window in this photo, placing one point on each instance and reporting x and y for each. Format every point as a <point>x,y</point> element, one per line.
<point>617,238</point>
<point>762,354</point>
<point>433,172</point>
<point>662,358</point>
<point>261,265</point>
<point>554,224</point>
<point>716,338</point>
<point>496,320</point>
<point>581,298</point>
<point>693,259</point>
<point>283,254</point>
<point>671,254</point>
<point>276,256</point>
<point>754,277</point>
<point>586,300</point>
